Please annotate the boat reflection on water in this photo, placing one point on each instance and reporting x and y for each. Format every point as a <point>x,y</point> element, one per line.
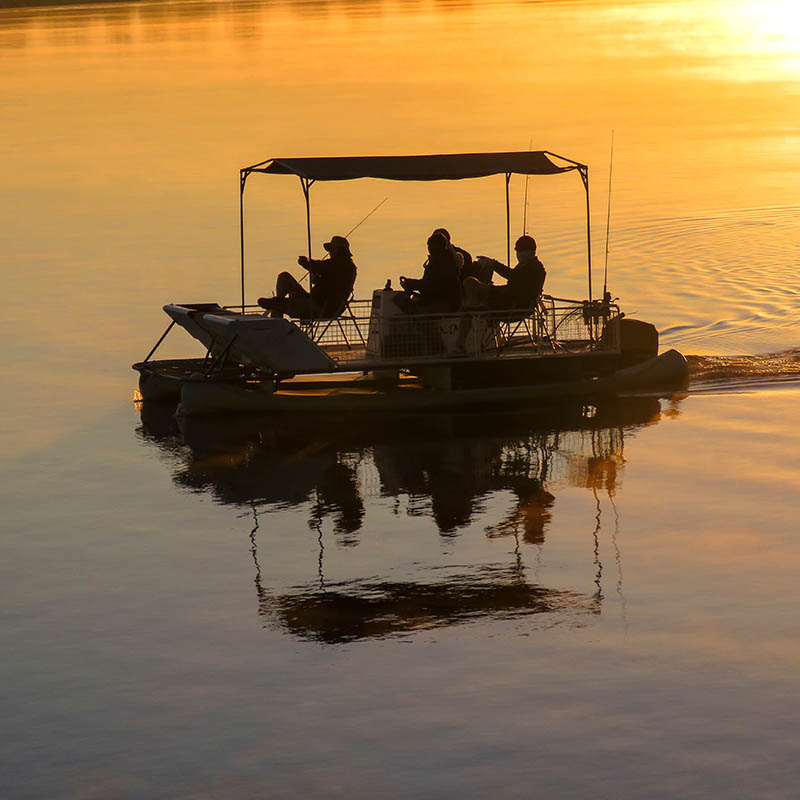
<point>446,467</point>
<point>375,609</point>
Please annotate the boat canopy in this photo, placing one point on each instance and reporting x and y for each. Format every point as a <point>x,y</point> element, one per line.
<point>442,167</point>
<point>455,166</point>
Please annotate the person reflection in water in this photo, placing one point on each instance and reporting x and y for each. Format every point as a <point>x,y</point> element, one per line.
<point>452,474</point>
<point>452,488</point>
<point>338,493</point>
<point>332,281</point>
<point>532,514</point>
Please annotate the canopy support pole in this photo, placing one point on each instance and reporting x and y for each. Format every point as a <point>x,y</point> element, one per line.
<point>243,173</point>
<point>584,173</point>
<point>508,222</point>
<point>306,184</point>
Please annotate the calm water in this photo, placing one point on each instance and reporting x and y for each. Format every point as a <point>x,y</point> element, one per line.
<point>575,602</point>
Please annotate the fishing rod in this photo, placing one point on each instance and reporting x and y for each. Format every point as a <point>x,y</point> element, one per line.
<point>608,216</point>
<point>366,218</point>
<point>352,230</point>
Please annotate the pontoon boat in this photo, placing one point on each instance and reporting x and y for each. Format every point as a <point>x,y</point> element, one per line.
<point>377,356</point>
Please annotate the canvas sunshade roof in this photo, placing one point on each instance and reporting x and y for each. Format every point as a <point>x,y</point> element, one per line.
<point>455,166</point>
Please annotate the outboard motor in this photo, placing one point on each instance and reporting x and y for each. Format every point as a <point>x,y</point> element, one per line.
<point>638,340</point>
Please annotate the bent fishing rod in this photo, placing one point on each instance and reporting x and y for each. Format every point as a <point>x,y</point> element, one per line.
<point>351,231</point>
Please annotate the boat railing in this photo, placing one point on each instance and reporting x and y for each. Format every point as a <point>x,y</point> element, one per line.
<point>556,326</point>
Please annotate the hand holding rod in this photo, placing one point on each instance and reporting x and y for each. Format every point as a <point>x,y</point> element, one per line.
<point>301,259</point>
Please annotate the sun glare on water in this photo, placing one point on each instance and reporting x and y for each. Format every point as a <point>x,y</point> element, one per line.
<point>770,28</point>
<point>746,40</point>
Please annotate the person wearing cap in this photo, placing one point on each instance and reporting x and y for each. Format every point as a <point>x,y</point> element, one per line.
<point>439,288</point>
<point>522,289</point>
<point>332,281</point>
<point>523,286</point>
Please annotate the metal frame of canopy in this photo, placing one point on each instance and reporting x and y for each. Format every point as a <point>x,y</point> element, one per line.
<point>452,166</point>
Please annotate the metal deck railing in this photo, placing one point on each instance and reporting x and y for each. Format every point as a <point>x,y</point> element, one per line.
<point>555,327</point>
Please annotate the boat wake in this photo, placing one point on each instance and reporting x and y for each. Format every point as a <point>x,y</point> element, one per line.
<point>743,373</point>
<point>725,282</point>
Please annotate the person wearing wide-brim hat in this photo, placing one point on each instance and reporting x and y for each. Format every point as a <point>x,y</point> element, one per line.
<point>332,281</point>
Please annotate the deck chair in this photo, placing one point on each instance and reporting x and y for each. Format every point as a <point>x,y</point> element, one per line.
<point>526,326</point>
<point>316,327</point>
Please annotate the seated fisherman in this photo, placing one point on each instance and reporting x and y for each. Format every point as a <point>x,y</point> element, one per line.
<point>439,289</point>
<point>523,286</point>
<point>522,289</point>
<point>332,282</point>
<point>468,268</point>
<point>462,257</point>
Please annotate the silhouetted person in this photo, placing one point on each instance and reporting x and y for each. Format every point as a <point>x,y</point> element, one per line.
<point>523,286</point>
<point>466,266</point>
<point>332,281</point>
<point>438,290</point>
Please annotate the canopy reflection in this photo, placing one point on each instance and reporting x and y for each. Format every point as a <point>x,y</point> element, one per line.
<point>367,609</point>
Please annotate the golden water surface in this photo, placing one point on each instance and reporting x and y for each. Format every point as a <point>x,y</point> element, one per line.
<point>589,601</point>
<point>125,125</point>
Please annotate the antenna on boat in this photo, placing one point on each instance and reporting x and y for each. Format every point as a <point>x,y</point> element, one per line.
<point>525,211</point>
<point>608,216</point>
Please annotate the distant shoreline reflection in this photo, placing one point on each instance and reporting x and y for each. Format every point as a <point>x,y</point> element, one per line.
<point>447,467</point>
